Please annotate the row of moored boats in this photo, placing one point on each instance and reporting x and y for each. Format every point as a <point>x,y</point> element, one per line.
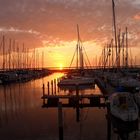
<point>15,76</point>
<point>124,103</point>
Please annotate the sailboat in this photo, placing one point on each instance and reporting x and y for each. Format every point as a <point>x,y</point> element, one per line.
<point>136,96</point>
<point>78,77</point>
<point>123,106</point>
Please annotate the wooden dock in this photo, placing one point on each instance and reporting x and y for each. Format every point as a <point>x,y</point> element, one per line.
<point>79,101</point>
<point>74,100</point>
<point>74,96</point>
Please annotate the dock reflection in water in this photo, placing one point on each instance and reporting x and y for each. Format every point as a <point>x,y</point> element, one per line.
<point>23,118</point>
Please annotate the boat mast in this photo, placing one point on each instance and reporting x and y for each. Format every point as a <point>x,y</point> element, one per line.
<point>18,57</point>
<point>23,54</point>
<point>13,55</point>
<point>27,58</point>
<point>10,42</point>
<point>112,52</point>
<point>42,59</point>
<point>126,59</point>
<point>115,31</point>
<point>80,56</point>
<point>3,40</point>
<point>104,57</point>
<point>119,49</point>
<point>123,48</point>
<point>78,52</point>
<point>78,46</point>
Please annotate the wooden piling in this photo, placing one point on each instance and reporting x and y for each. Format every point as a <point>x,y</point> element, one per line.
<point>77,104</point>
<point>48,88</point>
<point>58,79</point>
<point>108,122</point>
<point>43,87</point>
<point>58,89</point>
<point>55,86</point>
<point>77,114</point>
<point>52,86</point>
<point>60,120</point>
<point>95,101</point>
<point>77,90</point>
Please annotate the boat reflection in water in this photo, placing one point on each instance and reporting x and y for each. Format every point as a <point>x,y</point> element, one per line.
<point>125,130</point>
<point>23,118</point>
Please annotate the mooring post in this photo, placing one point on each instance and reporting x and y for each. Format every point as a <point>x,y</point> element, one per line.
<point>60,120</point>
<point>52,86</point>
<point>77,90</point>
<point>58,79</point>
<point>77,114</point>
<point>77,104</point>
<point>48,88</point>
<point>58,89</point>
<point>108,121</point>
<point>43,87</point>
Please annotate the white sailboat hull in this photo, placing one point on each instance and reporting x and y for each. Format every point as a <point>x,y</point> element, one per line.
<point>76,81</point>
<point>127,115</point>
<point>126,111</point>
<point>137,98</point>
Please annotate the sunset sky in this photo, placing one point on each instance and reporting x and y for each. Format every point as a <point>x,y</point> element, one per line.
<point>50,26</point>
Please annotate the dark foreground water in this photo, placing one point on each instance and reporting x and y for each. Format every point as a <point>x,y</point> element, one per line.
<point>23,118</point>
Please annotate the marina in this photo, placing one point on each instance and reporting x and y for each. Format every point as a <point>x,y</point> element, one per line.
<point>76,101</point>
<point>26,99</point>
<point>69,70</point>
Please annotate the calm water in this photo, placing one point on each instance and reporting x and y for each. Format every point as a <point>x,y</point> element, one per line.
<point>23,118</point>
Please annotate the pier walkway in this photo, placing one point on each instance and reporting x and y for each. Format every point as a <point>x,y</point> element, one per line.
<point>74,100</point>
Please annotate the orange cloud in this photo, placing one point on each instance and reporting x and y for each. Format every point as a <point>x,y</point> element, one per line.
<point>137,16</point>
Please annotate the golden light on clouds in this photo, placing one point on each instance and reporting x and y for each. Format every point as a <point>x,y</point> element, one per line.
<point>137,16</point>
<point>50,26</point>
<point>61,56</point>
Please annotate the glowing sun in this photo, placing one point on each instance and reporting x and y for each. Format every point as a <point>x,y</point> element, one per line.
<point>60,66</point>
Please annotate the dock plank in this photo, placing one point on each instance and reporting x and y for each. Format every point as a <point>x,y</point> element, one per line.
<point>73,96</point>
